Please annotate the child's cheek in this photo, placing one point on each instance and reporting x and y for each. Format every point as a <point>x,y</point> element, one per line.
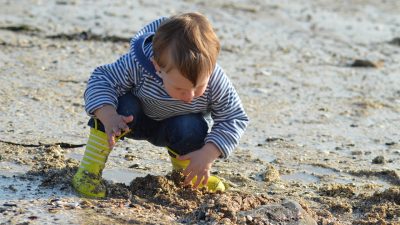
<point>171,93</point>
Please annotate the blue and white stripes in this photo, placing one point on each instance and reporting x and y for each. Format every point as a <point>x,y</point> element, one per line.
<point>134,73</point>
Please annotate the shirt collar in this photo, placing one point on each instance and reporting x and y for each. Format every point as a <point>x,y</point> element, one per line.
<point>138,46</point>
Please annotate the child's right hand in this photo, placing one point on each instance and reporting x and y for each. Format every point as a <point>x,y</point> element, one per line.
<point>113,122</point>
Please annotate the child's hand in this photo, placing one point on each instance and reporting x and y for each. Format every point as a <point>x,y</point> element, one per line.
<point>200,164</point>
<point>113,123</point>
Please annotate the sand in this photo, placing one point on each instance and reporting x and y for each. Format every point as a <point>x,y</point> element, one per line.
<point>319,80</point>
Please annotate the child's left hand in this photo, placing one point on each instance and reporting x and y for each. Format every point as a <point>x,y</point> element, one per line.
<point>200,164</point>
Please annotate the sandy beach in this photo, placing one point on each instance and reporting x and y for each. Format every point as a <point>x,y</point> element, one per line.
<point>319,79</point>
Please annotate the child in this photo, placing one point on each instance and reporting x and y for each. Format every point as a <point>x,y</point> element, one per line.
<point>164,91</point>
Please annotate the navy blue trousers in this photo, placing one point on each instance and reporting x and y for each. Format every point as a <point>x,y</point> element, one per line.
<point>183,134</point>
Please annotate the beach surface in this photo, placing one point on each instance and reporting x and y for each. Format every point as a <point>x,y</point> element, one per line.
<point>320,81</point>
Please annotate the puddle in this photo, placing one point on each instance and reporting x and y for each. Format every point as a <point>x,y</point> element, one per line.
<point>309,173</point>
<point>319,170</point>
<point>300,177</point>
<point>22,188</point>
<point>359,182</point>
<point>121,175</point>
<point>9,169</point>
<point>74,155</point>
<point>23,200</point>
<point>265,156</point>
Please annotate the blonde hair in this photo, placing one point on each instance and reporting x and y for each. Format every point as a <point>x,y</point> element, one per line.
<point>189,43</point>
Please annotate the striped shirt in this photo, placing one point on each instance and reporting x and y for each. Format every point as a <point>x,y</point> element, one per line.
<point>134,72</point>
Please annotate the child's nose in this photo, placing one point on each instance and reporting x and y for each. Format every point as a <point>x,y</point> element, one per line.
<point>188,96</point>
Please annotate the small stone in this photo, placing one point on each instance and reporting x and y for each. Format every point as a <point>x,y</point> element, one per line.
<point>366,63</point>
<point>356,152</point>
<point>85,204</point>
<point>249,218</point>
<point>53,210</point>
<point>71,205</point>
<point>10,204</point>
<point>136,165</point>
<point>271,174</point>
<point>129,157</point>
<point>59,203</point>
<point>289,211</point>
<point>33,217</point>
<point>395,41</point>
<point>378,160</point>
<point>272,139</point>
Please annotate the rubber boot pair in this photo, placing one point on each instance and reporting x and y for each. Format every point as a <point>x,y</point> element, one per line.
<point>213,184</point>
<point>88,179</point>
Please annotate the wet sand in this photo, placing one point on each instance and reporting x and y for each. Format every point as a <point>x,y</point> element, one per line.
<point>319,80</point>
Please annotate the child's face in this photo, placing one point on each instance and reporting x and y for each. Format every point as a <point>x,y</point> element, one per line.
<point>178,87</point>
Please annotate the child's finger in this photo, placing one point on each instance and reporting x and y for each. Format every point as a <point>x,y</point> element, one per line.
<point>187,171</point>
<point>198,180</point>
<point>111,141</point>
<point>124,127</point>
<point>116,131</point>
<point>205,180</point>
<point>127,119</point>
<point>188,178</point>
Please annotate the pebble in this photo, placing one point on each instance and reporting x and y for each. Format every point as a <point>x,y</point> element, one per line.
<point>366,63</point>
<point>249,218</point>
<point>271,174</point>
<point>85,204</point>
<point>136,165</point>
<point>272,139</point>
<point>390,143</point>
<point>395,41</point>
<point>54,210</point>
<point>288,211</point>
<point>58,203</point>
<point>356,152</point>
<point>33,217</point>
<point>10,205</point>
<point>379,160</point>
<point>71,205</point>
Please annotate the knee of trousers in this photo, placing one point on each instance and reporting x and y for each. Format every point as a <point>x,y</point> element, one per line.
<point>187,130</point>
<point>129,104</point>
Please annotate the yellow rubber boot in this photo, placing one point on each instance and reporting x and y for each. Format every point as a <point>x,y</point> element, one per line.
<point>214,183</point>
<point>87,181</point>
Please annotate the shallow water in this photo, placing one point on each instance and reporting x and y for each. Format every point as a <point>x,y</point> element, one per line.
<point>10,169</point>
<point>119,175</point>
<point>300,177</point>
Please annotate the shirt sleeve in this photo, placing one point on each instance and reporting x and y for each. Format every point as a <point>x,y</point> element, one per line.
<point>230,119</point>
<point>110,81</point>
